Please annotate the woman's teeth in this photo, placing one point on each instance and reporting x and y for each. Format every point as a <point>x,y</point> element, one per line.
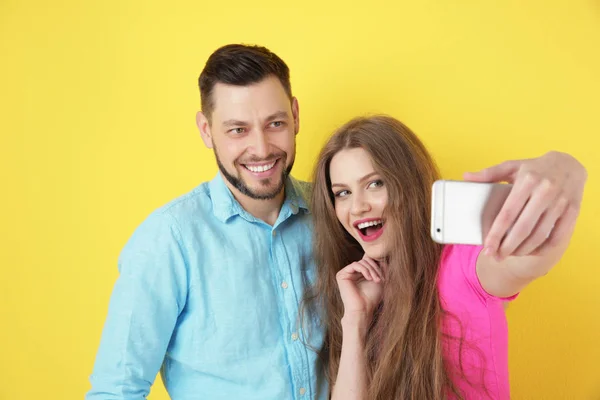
<point>364,225</point>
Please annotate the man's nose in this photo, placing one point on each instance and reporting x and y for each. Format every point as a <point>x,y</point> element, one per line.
<point>260,145</point>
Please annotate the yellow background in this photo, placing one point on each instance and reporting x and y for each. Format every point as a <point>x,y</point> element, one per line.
<point>97,103</point>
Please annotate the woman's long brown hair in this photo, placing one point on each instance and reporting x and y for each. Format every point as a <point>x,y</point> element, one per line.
<point>404,343</point>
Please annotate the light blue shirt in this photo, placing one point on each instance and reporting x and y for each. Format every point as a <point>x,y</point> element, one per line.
<point>209,295</point>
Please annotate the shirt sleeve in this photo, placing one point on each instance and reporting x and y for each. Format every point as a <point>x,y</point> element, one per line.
<point>145,303</point>
<point>466,256</point>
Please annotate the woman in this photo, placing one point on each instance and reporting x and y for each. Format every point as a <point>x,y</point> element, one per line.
<point>407,318</point>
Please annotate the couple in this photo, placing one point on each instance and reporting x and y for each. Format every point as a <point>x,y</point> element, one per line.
<point>257,286</point>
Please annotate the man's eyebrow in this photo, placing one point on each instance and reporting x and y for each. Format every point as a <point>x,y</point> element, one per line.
<point>237,122</point>
<point>278,115</point>
<point>234,122</point>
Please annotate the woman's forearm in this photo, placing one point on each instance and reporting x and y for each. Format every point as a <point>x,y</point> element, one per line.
<point>351,381</point>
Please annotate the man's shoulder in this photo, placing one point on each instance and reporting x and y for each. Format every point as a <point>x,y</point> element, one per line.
<point>304,185</point>
<point>303,188</point>
<point>172,221</point>
<point>196,201</point>
<point>192,206</point>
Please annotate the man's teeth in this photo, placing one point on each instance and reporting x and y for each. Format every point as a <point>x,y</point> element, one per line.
<point>261,168</point>
<point>364,225</point>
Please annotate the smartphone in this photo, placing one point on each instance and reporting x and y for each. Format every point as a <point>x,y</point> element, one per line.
<point>463,212</point>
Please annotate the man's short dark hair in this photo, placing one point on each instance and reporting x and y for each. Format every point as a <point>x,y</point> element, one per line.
<point>240,65</point>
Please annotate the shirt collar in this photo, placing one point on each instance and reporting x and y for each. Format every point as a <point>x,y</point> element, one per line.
<point>226,206</point>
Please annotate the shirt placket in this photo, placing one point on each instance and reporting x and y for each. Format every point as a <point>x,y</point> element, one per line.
<point>290,293</point>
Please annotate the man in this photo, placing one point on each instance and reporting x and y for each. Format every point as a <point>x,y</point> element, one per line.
<point>210,284</point>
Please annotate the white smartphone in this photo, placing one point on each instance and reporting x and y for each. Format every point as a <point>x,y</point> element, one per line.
<point>463,212</point>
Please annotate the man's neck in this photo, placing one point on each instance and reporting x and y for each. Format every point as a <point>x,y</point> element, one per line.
<point>265,210</point>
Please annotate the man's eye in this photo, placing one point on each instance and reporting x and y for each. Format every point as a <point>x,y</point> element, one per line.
<point>276,124</point>
<point>237,130</point>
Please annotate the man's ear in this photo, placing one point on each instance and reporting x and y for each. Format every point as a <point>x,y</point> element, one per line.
<point>204,128</point>
<point>296,115</point>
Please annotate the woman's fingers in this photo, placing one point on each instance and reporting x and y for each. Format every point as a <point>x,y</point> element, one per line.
<point>375,267</point>
<point>354,271</point>
<point>366,268</point>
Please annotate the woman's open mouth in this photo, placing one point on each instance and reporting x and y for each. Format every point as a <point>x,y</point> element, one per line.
<point>369,229</point>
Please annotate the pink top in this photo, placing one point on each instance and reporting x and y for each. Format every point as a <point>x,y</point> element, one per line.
<point>478,318</point>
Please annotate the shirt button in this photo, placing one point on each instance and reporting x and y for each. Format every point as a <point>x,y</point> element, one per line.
<point>302,391</point>
<point>294,336</point>
<point>284,285</point>
<point>274,233</point>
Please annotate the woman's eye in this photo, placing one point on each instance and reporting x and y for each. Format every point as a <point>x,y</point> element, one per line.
<point>376,183</point>
<point>341,193</point>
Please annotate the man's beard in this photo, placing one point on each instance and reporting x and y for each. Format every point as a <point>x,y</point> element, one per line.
<point>240,185</point>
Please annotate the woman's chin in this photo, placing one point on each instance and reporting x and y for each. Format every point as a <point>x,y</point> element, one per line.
<point>376,252</point>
